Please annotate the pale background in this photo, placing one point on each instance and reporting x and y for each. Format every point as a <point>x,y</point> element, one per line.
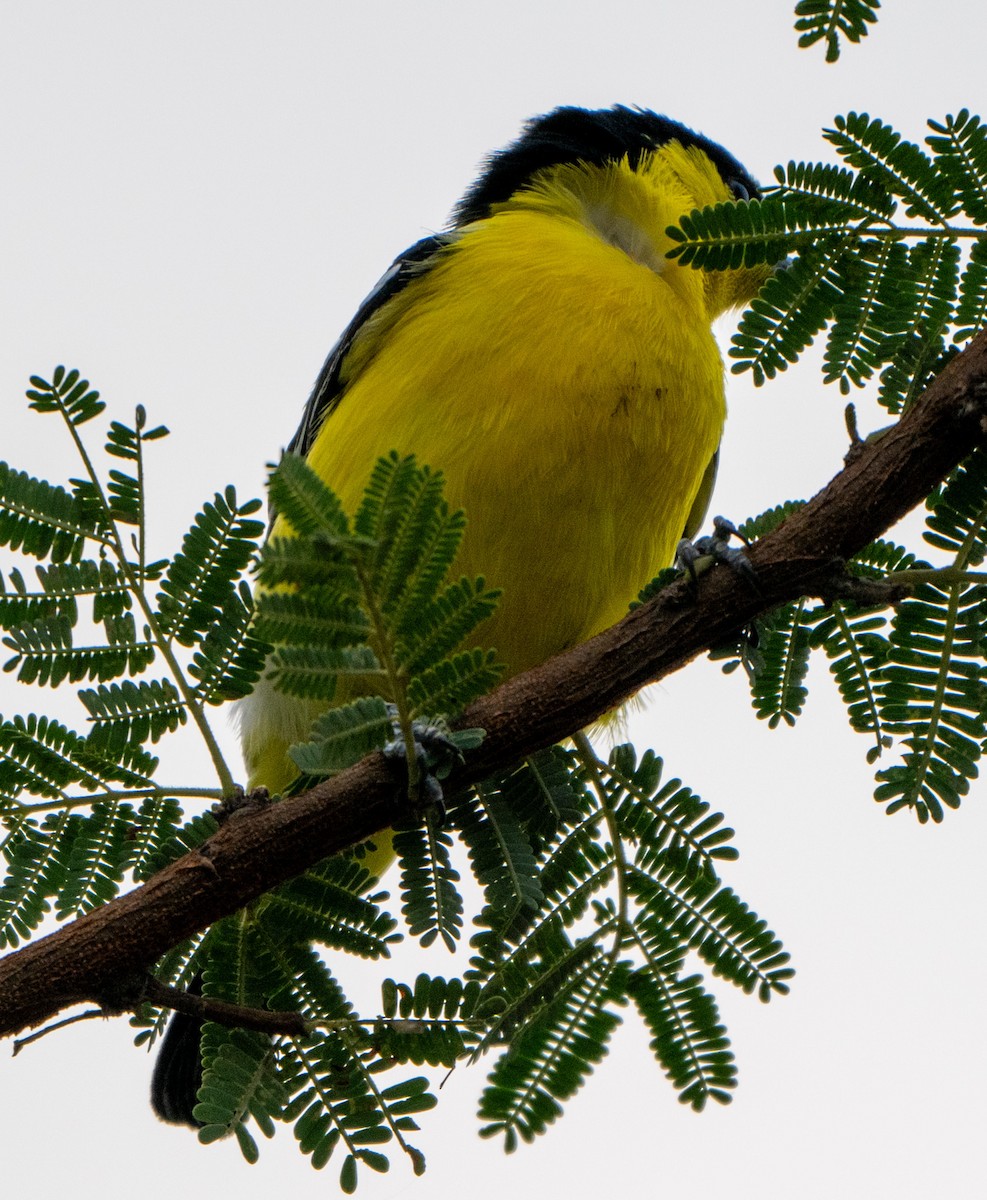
<point>195,197</point>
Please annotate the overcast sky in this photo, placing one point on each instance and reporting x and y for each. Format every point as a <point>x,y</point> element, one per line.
<point>195,198</point>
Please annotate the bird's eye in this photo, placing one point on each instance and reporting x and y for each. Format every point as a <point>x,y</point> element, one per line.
<point>739,190</point>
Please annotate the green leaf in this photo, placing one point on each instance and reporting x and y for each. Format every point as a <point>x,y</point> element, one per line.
<point>442,623</point>
<point>433,1027</point>
<point>201,578</point>
<point>881,154</point>
<point>313,674</point>
<point>416,538</point>
<point>326,904</point>
<point>295,562</point>
<point>335,1104</point>
<point>777,684</point>
<point>927,293</point>
<point>155,826</point>
<point>43,520</point>
<point>230,658</point>
<point>67,394</point>
<point>37,870</point>
<point>130,713</point>
<point>830,197</point>
<point>519,980</point>
<point>668,822</point>
<point>717,924</point>
<point>868,314</point>
<point>957,522</point>
<point>971,312</point>
<point>344,735</point>
<point>932,688</point>
<point>544,793</point>
<point>858,650</point>
<point>125,497</point>
<point>932,697</point>
<point>300,496</point>
<point>43,758</point>
<point>500,854</point>
<point>100,580</point>
<point>432,906</point>
<point>320,616</point>
<point>100,854</point>
<point>44,652</point>
<point>347,1176</point>
<point>124,442</point>
<point>174,842</point>
<point>960,147</point>
<point>237,1079</point>
<point>550,1058</point>
<point>687,1038</point>
<point>452,683</point>
<point>829,20</point>
<point>791,308</point>
<point>725,237</point>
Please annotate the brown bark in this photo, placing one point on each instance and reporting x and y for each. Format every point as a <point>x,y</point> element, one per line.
<point>103,955</point>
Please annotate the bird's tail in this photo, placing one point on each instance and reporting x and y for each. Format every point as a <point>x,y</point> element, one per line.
<point>178,1069</point>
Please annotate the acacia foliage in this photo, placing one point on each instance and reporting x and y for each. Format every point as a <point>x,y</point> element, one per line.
<point>600,880</point>
<point>885,259</point>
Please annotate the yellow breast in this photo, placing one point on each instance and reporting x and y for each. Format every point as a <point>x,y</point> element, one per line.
<point>563,376</point>
<point>572,405</point>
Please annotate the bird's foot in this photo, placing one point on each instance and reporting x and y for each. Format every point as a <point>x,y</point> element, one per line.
<point>437,753</point>
<point>697,557</point>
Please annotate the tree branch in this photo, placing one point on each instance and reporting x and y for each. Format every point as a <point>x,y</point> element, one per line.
<point>262,847</point>
<point>234,1016</point>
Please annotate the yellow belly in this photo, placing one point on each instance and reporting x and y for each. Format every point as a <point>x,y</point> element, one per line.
<point>572,398</point>
<point>573,415</point>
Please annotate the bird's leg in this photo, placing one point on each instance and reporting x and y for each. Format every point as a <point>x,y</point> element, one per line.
<point>436,754</point>
<point>697,557</point>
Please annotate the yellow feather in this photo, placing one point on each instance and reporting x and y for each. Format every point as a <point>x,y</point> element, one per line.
<point>562,374</point>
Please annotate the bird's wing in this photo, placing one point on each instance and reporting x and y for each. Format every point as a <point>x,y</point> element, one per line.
<point>331,384</point>
<point>700,506</point>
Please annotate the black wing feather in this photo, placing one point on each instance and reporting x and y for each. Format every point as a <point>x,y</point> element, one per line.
<point>328,389</point>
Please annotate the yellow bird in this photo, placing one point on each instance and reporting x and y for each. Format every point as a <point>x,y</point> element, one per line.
<point>558,368</point>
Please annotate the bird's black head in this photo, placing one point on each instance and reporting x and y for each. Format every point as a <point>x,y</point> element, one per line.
<point>593,136</point>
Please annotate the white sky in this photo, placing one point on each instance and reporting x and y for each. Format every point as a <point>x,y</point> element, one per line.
<point>195,198</point>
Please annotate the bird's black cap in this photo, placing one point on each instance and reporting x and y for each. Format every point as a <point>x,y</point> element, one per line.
<point>594,136</point>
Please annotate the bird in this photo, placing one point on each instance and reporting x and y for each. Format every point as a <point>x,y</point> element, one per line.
<point>545,353</point>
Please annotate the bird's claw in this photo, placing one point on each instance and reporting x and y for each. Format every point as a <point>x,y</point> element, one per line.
<point>436,755</point>
<point>716,547</point>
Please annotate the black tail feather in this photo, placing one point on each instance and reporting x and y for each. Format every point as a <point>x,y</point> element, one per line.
<point>178,1069</point>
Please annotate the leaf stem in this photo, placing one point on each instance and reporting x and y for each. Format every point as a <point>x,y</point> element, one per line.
<point>382,1106</point>
<point>142,512</point>
<point>136,584</point>
<point>591,764</point>
<point>83,801</point>
<point>940,576</point>
<point>385,651</point>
